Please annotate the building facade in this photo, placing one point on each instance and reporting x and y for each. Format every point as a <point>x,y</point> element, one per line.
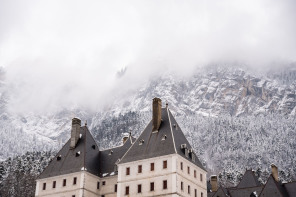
<point>160,162</point>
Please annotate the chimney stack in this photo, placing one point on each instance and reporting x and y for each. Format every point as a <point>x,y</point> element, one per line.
<point>275,172</point>
<point>214,183</point>
<point>156,114</point>
<point>75,131</point>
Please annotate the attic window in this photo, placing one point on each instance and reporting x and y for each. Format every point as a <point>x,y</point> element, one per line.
<point>164,137</point>
<point>141,142</point>
<point>78,153</point>
<point>111,151</point>
<point>93,146</point>
<point>193,157</point>
<point>59,157</point>
<point>183,146</point>
<point>186,153</point>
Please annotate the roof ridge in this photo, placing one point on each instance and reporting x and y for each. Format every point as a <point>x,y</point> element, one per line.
<point>172,130</point>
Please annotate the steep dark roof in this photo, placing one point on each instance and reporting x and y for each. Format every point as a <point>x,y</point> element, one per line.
<point>153,144</point>
<point>249,180</point>
<point>290,188</point>
<point>245,192</point>
<point>221,192</point>
<point>273,188</point>
<point>83,157</point>
<point>109,157</point>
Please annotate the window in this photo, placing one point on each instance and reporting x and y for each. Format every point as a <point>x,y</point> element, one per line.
<point>104,183</point>
<point>98,185</point>
<point>103,196</point>
<point>201,177</point>
<point>151,166</point>
<point>182,186</point>
<point>152,186</point>
<point>201,194</point>
<point>165,164</point>
<point>181,165</point>
<point>188,169</point>
<point>194,173</point>
<point>54,184</point>
<point>140,188</point>
<point>73,195</point>
<point>115,188</point>
<point>165,184</point>
<point>139,168</point>
<point>188,189</point>
<point>64,182</point>
<point>74,180</point>
<point>195,193</point>
<point>127,172</point>
<point>44,186</point>
<point>127,190</point>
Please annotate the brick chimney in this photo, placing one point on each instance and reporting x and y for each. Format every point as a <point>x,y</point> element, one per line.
<point>275,172</point>
<point>156,114</point>
<point>75,131</point>
<point>214,183</point>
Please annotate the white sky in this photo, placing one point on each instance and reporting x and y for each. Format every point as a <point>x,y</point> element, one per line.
<point>67,53</point>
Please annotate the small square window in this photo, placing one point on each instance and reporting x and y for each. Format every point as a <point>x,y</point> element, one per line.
<point>139,168</point>
<point>152,186</point>
<point>127,172</point>
<point>165,164</point>
<point>140,188</point>
<point>165,184</point>
<point>151,166</point>
<point>73,195</point>
<point>104,183</point>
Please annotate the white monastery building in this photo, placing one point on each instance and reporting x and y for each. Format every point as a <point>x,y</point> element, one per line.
<point>160,162</point>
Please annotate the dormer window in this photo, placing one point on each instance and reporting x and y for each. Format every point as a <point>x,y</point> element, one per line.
<point>59,157</point>
<point>93,147</point>
<point>164,137</point>
<point>77,154</point>
<point>111,152</point>
<point>186,153</point>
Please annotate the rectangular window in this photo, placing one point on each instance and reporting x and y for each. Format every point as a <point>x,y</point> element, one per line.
<point>182,186</point>
<point>44,186</point>
<point>104,183</point>
<point>74,180</point>
<point>127,172</point>
<point>127,190</point>
<point>73,195</point>
<point>188,169</point>
<point>139,188</point>
<point>151,166</point>
<point>201,195</point>
<point>103,196</point>
<point>165,184</point>
<point>54,184</point>
<point>115,188</point>
<point>181,165</point>
<point>195,193</point>
<point>64,182</point>
<point>98,185</point>
<point>194,173</point>
<point>201,177</point>
<point>188,189</point>
<point>165,164</point>
<point>152,186</point>
<point>139,168</point>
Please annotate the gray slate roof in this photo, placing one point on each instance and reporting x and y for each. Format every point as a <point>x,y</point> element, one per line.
<point>272,188</point>
<point>71,162</point>
<point>154,146</point>
<point>249,180</point>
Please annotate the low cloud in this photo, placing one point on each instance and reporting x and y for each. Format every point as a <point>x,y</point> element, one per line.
<point>69,53</point>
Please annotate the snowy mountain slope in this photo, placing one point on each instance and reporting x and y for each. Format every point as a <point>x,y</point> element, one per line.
<point>210,92</point>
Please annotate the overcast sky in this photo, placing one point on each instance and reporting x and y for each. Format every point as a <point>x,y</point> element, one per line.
<point>67,53</point>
